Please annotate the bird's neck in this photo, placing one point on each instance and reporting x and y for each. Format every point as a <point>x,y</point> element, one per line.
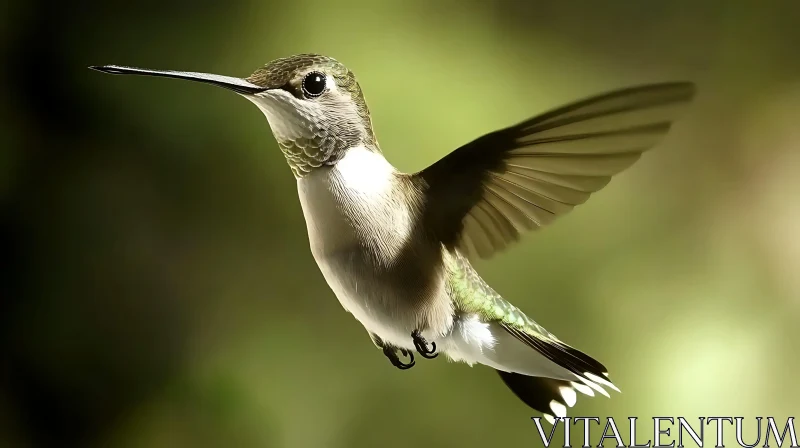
<point>306,156</point>
<point>309,143</point>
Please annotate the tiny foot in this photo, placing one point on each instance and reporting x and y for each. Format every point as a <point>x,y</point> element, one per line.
<point>422,345</point>
<point>391,353</point>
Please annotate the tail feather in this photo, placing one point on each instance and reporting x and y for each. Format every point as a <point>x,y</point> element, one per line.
<point>546,395</point>
<point>552,396</point>
<point>549,396</point>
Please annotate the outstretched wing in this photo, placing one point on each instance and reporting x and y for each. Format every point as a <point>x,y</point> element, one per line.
<point>485,194</point>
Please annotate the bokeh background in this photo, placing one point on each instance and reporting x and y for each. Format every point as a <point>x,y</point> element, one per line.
<point>158,289</point>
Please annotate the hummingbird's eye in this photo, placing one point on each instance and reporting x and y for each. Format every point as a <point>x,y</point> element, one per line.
<point>314,84</point>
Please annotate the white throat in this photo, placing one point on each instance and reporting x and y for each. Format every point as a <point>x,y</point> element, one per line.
<point>289,119</point>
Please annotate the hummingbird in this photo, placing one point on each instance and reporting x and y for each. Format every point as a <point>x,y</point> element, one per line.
<point>396,248</point>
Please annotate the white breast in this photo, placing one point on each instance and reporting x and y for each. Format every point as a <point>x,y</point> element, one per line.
<point>358,221</point>
<point>356,202</point>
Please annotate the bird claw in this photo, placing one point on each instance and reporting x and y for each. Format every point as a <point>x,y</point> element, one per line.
<point>391,353</point>
<point>422,345</point>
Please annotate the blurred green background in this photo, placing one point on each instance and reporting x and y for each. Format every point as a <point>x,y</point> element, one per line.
<point>158,288</point>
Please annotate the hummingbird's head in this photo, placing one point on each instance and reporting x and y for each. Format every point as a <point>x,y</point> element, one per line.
<point>313,104</point>
<point>315,108</point>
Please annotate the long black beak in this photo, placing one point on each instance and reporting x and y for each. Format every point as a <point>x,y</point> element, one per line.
<point>236,84</point>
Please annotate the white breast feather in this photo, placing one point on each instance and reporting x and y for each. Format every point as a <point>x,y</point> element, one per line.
<point>379,210</point>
